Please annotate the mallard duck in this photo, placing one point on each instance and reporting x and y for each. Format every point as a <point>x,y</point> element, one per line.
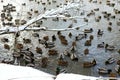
<point>118,62</point>
<point>52,52</point>
<point>35,34</point>
<point>102,45</point>
<point>49,44</point>
<point>19,46</point>
<point>89,64</point>
<point>99,32</point>
<point>104,71</point>
<point>38,50</point>
<point>73,49</point>
<point>86,51</point>
<point>6,46</point>
<point>117,69</point>
<point>53,38</point>
<point>88,43</point>
<point>5,40</point>
<point>80,36</point>
<point>44,62</point>
<point>26,40</point>
<point>110,48</point>
<point>66,53</point>
<point>41,41</point>
<point>110,61</point>
<point>74,57</point>
<point>88,30</point>
<point>62,63</point>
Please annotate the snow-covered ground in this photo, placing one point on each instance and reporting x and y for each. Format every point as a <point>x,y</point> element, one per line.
<point>71,76</point>
<point>11,72</point>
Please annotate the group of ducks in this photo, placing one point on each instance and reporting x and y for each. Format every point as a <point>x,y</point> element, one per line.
<point>28,58</point>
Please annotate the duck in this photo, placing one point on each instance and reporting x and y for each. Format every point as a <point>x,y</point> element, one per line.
<point>49,45</point>
<point>61,56</point>
<point>73,49</point>
<point>52,52</point>
<point>85,20</point>
<point>80,36</point>
<point>74,57</point>
<point>66,53</point>
<point>16,54</point>
<point>99,33</point>
<point>35,35</point>
<point>104,71</point>
<point>6,46</point>
<point>118,62</point>
<point>38,50</point>
<point>26,40</point>
<point>46,38</point>
<point>91,37</point>
<point>63,40</point>
<point>74,43</point>
<point>30,65</point>
<point>110,61</point>
<point>62,63</point>
<point>44,62</point>
<point>41,41</point>
<point>109,28</point>
<point>110,48</point>
<point>89,64</point>
<point>97,9</point>
<point>19,46</point>
<point>28,59</point>
<point>101,45</point>
<point>5,40</point>
<point>117,69</point>
<point>88,30</point>
<point>88,43</point>
<point>53,37</point>
<point>86,51</point>
<point>59,33</point>
<point>70,34</point>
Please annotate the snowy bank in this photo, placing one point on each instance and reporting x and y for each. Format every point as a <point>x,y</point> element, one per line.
<point>11,72</point>
<point>74,77</point>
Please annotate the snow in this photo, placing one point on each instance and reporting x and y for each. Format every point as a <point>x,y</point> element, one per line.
<point>53,12</point>
<point>74,77</point>
<point>36,28</point>
<point>48,13</point>
<point>11,72</point>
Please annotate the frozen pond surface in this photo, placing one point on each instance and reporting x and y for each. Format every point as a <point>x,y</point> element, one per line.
<point>109,37</point>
